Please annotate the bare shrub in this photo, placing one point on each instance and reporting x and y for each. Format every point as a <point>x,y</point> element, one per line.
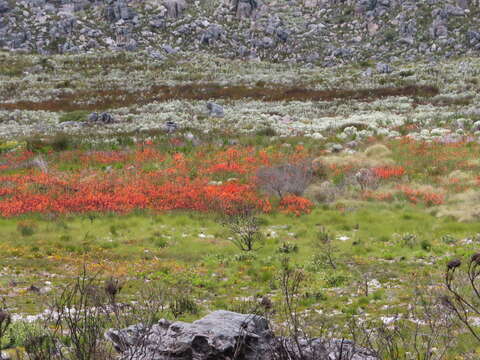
<point>423,331</point>
<point>86,308</point>
<point>80,312</point>
<point>291,280</point>
<point>298,344</point>
<point>181,302</point>
<point>40,163</point>
<point>325,250</point>
<point>284,179</point>
<point>324,192</point>
<point>367,179</point>
<point>41,344</point>
<point>463,299</point>
<point>5,321</point>
<point>244,225</point>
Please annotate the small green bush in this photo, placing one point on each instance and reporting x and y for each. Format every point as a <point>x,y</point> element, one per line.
<point>160,243</point>
<point>77,115</point>
<point>448,239</point>
<point>336,279</point>
<point>287,248</point>
<point>26,228</point>
<point>426,245</point>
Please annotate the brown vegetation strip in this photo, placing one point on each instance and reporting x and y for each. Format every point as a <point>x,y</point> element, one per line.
<point>108,99</point>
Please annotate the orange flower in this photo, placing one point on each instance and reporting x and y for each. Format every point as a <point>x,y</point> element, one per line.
<point>295,205</point>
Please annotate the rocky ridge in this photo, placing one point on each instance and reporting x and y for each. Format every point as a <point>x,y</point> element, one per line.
<point>324,32</point>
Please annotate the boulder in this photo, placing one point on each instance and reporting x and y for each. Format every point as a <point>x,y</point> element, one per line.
<point>158,22</point>
<point>131,45</point>
<point>156,55</point>
<point>372,28</point>
<point>473,38</point>
<point>409,28</point>
<point>4,7</point>
<point>454,10</point>
<point>244,8</point>
<point>170,126</point>
<point>215,110</point>
<point>265,43</point>
<point>93,117</point>
<point>119,10</point>
<point>169,49</point>
<point>438,28</point>
<point>104,118</point>
<point>372,7</point>
<point>224,335</point>
<point>211,34</point>
<point>175,8</point>
<point>282,34</point>
<point>383,68</point>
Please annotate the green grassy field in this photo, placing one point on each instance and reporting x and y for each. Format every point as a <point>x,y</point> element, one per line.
<point>387,242</point>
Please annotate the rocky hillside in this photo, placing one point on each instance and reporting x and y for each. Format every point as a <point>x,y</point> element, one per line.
<point>322,32</point>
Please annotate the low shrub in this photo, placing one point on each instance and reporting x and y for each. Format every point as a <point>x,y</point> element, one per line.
<point>77,115</point>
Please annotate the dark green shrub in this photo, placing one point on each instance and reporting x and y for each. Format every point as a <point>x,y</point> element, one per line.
<point>26,228</point>
<point>268,131</point>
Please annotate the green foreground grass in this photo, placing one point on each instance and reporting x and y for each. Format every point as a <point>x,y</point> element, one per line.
<point>396,244</point>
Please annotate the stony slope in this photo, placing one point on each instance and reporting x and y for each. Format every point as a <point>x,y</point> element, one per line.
<point>323,32</point>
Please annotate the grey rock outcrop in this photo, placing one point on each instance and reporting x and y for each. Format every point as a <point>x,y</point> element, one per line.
<point>222,335</point>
